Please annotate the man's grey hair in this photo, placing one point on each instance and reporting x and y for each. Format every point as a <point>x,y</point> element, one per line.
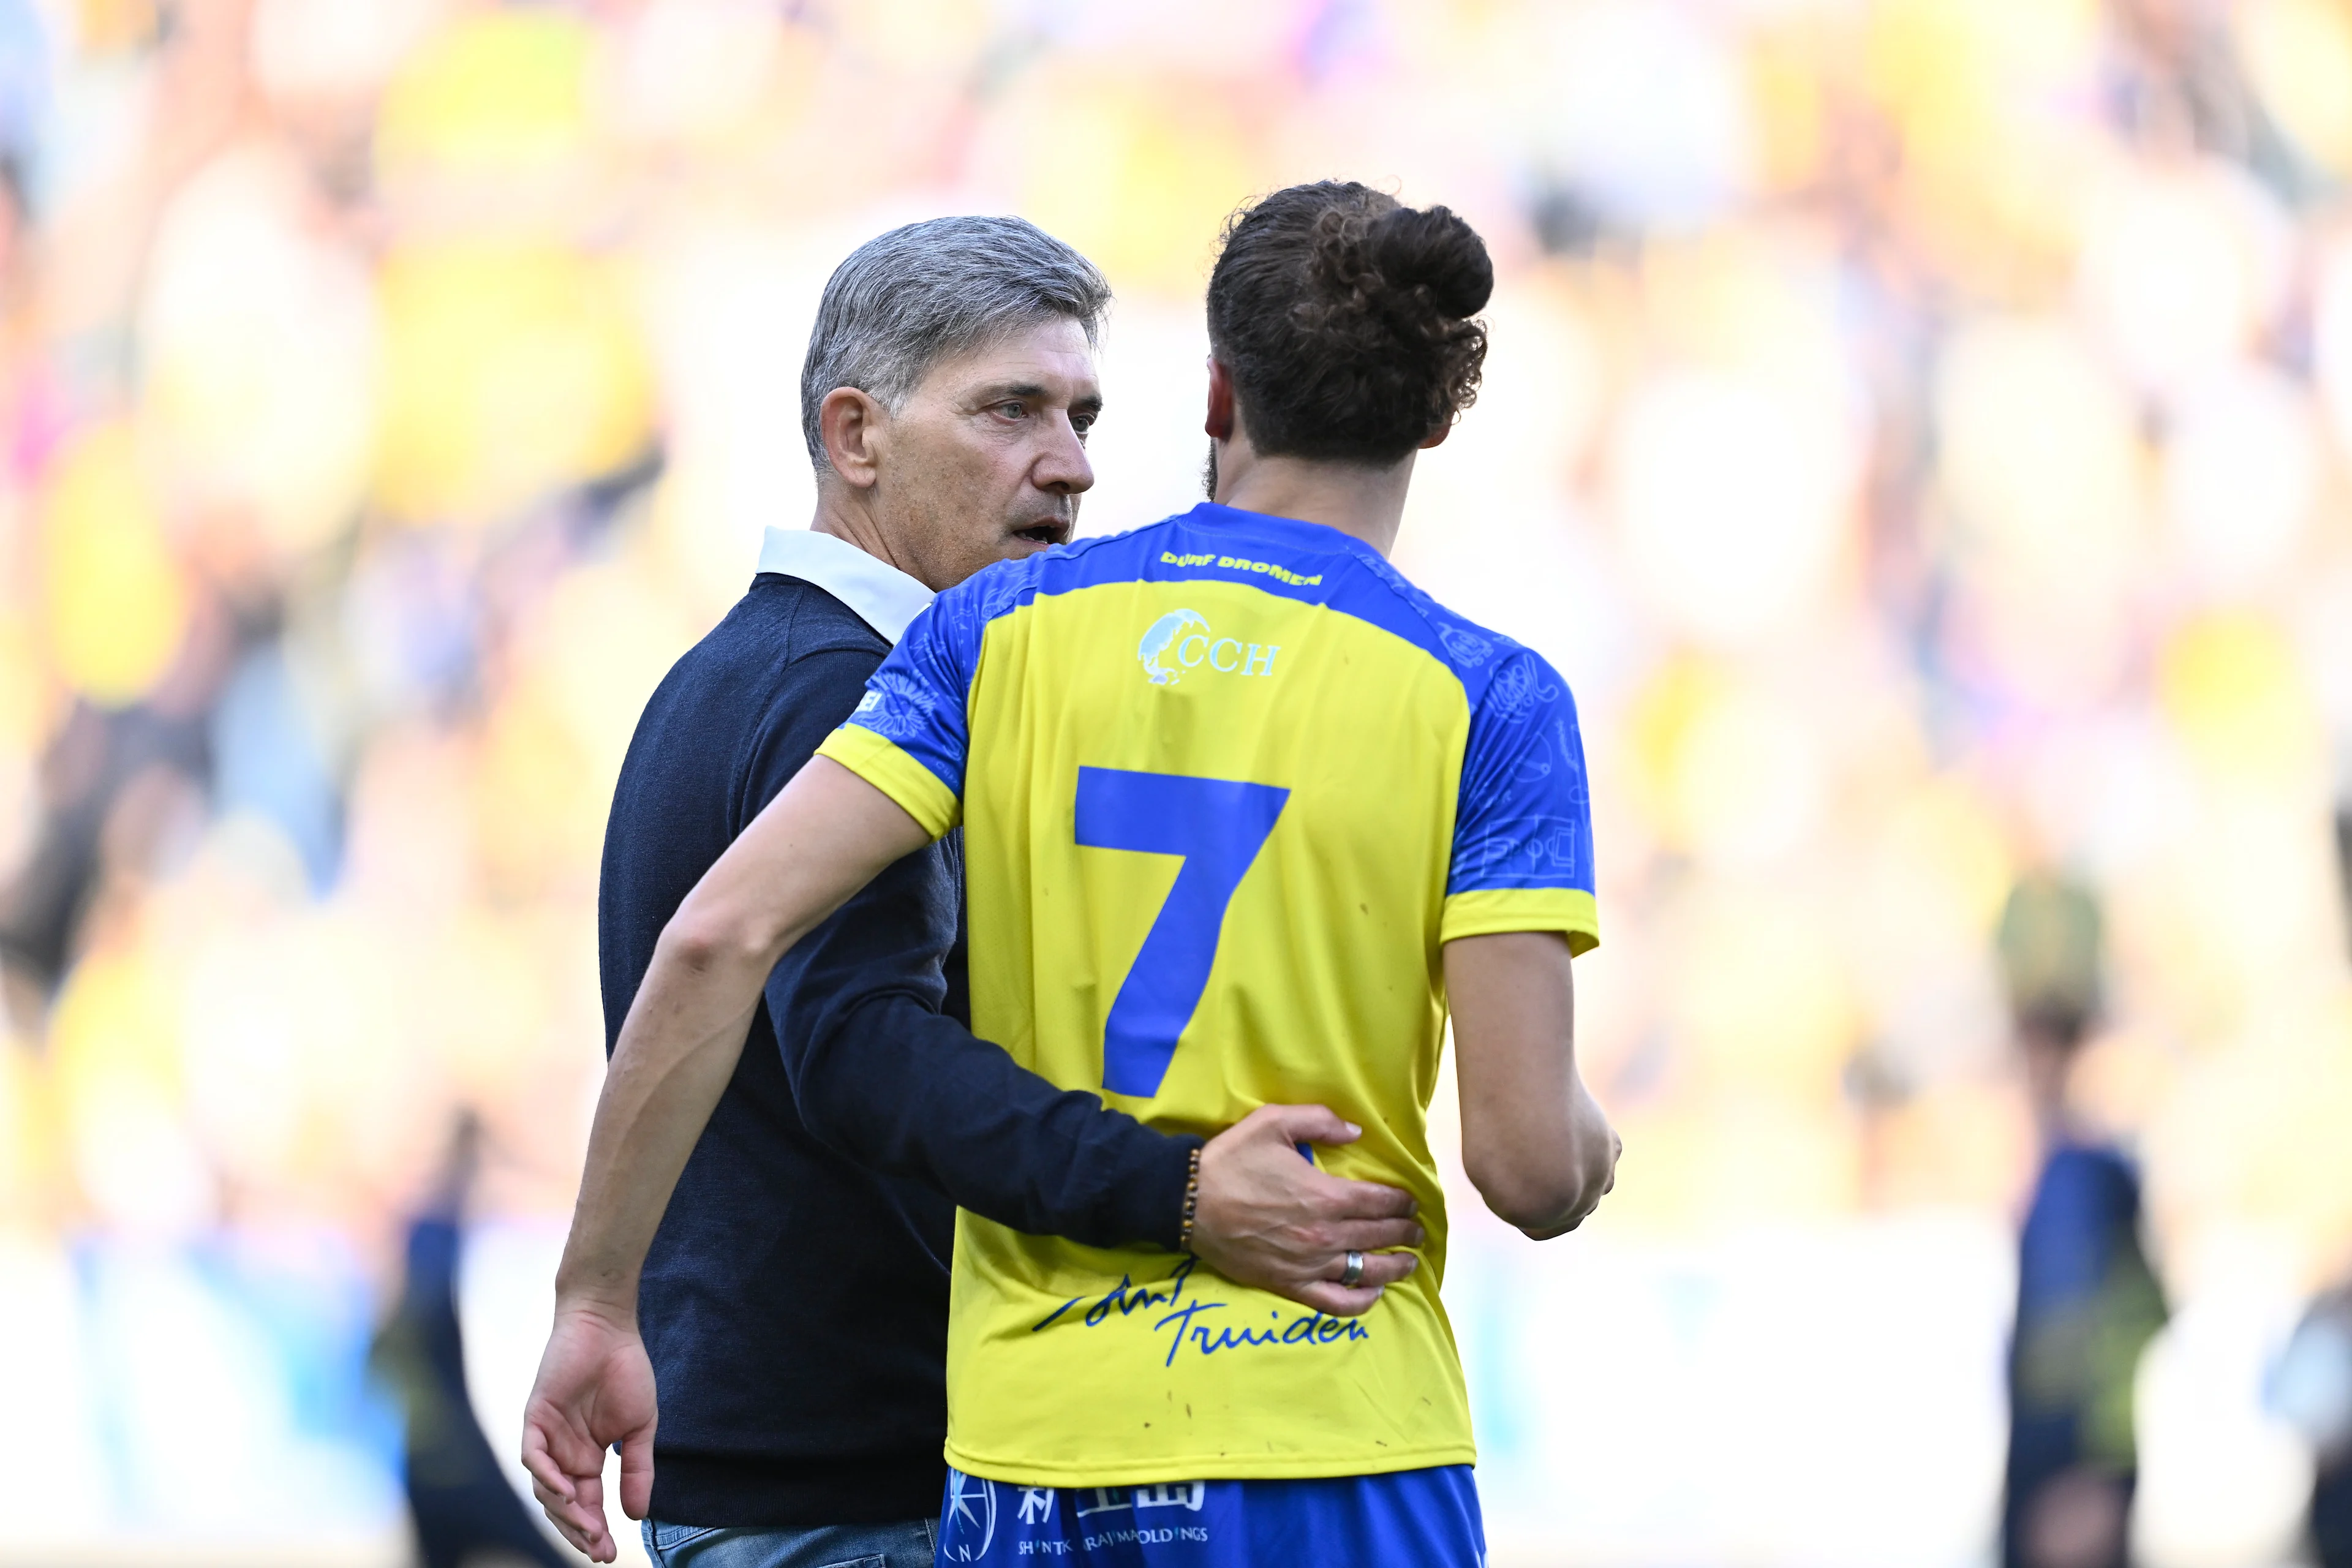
<point>907,299</point>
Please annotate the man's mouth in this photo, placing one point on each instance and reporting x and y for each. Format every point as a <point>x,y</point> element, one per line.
<point>1053,531</point>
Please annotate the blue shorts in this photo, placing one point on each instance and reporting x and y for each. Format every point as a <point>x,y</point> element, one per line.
<point>1411,1518</point>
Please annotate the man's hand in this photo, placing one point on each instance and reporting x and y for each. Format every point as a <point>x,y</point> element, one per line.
<point>595,1388</point>
<point>1268,1218</point>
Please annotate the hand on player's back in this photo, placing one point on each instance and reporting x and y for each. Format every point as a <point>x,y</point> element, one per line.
<point>1268,1218</point>
<point>595,1388</point>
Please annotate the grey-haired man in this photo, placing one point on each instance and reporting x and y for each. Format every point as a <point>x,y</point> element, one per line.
<point>792,1288</point>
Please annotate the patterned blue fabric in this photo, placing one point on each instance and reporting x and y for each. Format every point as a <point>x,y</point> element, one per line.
<point>1409,1519</point>
<point>1525,813</point>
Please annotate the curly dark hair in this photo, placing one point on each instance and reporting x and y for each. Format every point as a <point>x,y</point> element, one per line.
<point>1344,318</point>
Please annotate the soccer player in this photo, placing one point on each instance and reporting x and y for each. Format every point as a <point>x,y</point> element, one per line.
<point>1244,813</point>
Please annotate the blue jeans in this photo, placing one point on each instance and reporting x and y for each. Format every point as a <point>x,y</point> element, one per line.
<point>909,1544</point>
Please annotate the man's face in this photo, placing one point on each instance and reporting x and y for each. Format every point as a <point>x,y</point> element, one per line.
<point>986,459</point>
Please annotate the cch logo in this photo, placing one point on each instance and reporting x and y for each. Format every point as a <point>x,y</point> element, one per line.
<point>1183,638</point>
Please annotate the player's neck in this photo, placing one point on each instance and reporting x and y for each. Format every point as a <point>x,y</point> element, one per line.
<point>1365,502</point>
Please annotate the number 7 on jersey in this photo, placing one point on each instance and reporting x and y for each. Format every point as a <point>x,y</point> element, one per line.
<point>1218,825</point>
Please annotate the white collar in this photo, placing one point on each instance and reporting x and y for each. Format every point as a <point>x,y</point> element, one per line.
<point>883,596</point>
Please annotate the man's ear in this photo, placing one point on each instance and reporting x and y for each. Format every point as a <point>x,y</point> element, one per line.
<point>851,424</point>
<point>1437,437</point>
<point>1219,425</point>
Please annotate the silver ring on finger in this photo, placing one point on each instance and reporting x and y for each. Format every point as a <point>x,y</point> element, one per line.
<point>1353,1274</point>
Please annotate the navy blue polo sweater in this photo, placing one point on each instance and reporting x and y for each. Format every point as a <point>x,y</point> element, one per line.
<point>796,1299</point>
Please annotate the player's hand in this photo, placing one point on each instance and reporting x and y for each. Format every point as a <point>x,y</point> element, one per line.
<point>1268,1218</point>
<point>1601,1148</point>
<point>595,1388</point>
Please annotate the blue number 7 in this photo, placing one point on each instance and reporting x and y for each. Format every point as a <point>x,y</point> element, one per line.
<point>1218,826</point>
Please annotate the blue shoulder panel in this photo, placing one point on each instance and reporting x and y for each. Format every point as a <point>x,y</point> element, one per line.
<point>1524,817</point>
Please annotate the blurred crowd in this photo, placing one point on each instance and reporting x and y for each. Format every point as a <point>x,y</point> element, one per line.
<point>1921,430</point>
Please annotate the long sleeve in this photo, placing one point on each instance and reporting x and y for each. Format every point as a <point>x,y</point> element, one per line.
<point>886,1074</point>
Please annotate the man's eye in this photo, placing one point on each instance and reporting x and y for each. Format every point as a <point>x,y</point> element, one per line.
<point>1012,410</point>
<point>1082,424</point>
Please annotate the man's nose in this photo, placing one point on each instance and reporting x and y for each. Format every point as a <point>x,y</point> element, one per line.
<point>1062,468</point>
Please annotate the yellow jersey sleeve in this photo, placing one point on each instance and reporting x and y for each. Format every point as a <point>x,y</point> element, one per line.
<point>1487,911</point>
<point>910,736</point>
<point>917,791</point>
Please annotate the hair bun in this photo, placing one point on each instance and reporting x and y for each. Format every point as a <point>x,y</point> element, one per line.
<point>1347,321</point>
<point>1436,250</point>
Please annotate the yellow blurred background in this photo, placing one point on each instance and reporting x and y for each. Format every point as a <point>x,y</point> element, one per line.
<point>1921,430</point>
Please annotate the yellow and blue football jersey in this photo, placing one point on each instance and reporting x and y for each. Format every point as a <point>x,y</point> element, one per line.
<point>1227,784</point>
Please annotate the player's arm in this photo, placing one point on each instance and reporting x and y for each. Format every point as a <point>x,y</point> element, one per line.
<point>817,843</point>
<point>1264,1216</point>
<point>825,837</point>
<point>1534,1141</point>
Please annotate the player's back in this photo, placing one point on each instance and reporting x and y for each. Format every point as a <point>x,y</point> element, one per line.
<point>1228,782</point>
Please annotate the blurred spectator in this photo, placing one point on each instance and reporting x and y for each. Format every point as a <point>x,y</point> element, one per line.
<point>2311,1387</point>
<point>464,1514</point>
<point>2087,1303</point>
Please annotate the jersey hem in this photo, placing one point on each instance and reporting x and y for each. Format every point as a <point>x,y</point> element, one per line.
<point>1490,912</point>
<point>914,787</point>
<point>1208,1467</point>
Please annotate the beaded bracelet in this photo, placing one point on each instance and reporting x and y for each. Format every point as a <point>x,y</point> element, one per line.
<point>1191,1201</point>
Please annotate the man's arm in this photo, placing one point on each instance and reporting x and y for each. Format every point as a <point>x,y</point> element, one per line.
<point>915,1093</point>
<point>1534,1143</point>
<point>883,1077</point>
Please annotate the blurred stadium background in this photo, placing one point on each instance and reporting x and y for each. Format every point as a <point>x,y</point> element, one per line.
<point>1920,429</point>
